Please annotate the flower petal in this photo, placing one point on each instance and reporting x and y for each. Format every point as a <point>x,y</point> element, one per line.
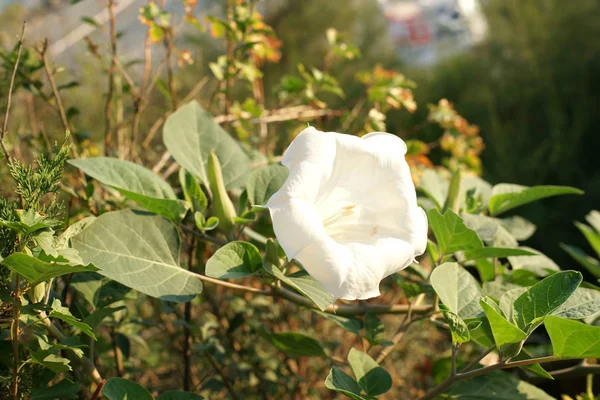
<point>354,270</point>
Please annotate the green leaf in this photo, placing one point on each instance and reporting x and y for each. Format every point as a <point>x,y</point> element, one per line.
<point>519,227</point>
<point>95,318</point>
<point>136,183</point>
<point>305,284</point>
<point>533,368</point>
<point>373,379</point>
<point>544,298</point>
<point>234,260</point>
<point>350,324</point>
<point>496,385</point>
<point>583,303</point>
<point>297,344</point>
<point>192,191</point>
<point>341,382</point>
<point>191,133</point>
<point>573,339</point>
<point>63,240</point>
<point>507,300</point>
<point>451,233</point>
<point>435,186</point>
<point>537,263</point>
<point>50,360</point>
<point>36,271</point>
<point>140,251</point>
<point>374,329</point>
<point>495,252</point>
<point>179,395</point>
<point>98,290</point>
<point>508,196</point>
<point>457,289</point>
<point>491,230</point>
<point>591,236</point>
<point>64,389</point>
<point>589,263</point>
<point>63,313</point>
<point>264,182</point>
<point>123,389</point>
<point>504,332</point>
<point>458,328</point>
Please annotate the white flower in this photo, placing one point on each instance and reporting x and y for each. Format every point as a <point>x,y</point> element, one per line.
<point>348,210</point>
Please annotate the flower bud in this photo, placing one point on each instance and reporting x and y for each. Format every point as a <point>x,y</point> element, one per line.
<point>222,206</point>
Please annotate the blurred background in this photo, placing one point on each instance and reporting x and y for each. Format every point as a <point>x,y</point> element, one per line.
<point>527,72</point>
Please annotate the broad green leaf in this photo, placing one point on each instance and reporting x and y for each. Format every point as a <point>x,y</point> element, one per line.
<point>374,329</point>
<point>458,328</point>
<point>63,313</point>
<point>572,338</point>
<point>451,233</point>
<point>507,300</point>
<point>497,288</point>
<point>495,252</point>
<point>135,182</point>
<point>435,186</point>
<point>373,379</point>
<point>496,385</point>
<point>504,332</point>
<point>481,333</point>
<point>234,260</point>
<point>591,236</point>
<point>341,382</point>
<point>191,133</point>
<point>490,230</point>
<point>544,298</point>
<point>192,191</point>
<point>124,389</point>
<point>263,182</point>
<point>75,228</point>
<point>537,263</point>
<point>589,263</point>
<point>519,227</point>
<point>98,290</point>
<point>297,344</point>
<point>508,196</point>
<point>64,389</point>
<point>36,271</point>
<point>50,360</point>
<point>481,189</point>
<point>536,369</point>
<point>140,251</point>
<point>593,218</point>
<point>457,289</point>
<point>179,395</point>
<point>583,303</point>
<point>305,284</point>
<point>96,317</point>
<point>350,324</point>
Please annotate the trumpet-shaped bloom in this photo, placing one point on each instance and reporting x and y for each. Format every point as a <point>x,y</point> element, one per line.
<point>348,210</point>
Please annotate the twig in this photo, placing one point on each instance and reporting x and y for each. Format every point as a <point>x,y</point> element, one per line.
<point>187,334</point>
<point>111,77</point>
<point>168,43</point>
<point>471,374</point>
<point>116,353</point>
<point>98,390</point>
<point>161,163</point>
<point>476,361</point>
<point>453,360</point>
<point>15,337</point>
<point>280,115</point>
<point>158,123</point>
<point>224,377</point>
<point>9,96</point>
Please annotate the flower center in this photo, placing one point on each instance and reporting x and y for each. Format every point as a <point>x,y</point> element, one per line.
<point>342,212</point>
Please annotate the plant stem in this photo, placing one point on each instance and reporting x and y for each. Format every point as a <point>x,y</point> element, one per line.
<point>111,77</point>
<point>117,353</point>
<point>474,362</point>
<point>590,386</point>
<point>452,379</point>
<point>453,360</point>
<point>9,96</point>
<point>15,337</point>
<point>98,390</point>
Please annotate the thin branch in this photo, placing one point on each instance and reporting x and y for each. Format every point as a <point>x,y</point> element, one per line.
<point>15,337</point>
<point>111,77</point>
<point>168,43</point>
<point>452,379</point>
<point>453,360</point>
<point>476,361</point>
<point>9,96</point>
<point>118,356</point>
<point>96,394</point>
